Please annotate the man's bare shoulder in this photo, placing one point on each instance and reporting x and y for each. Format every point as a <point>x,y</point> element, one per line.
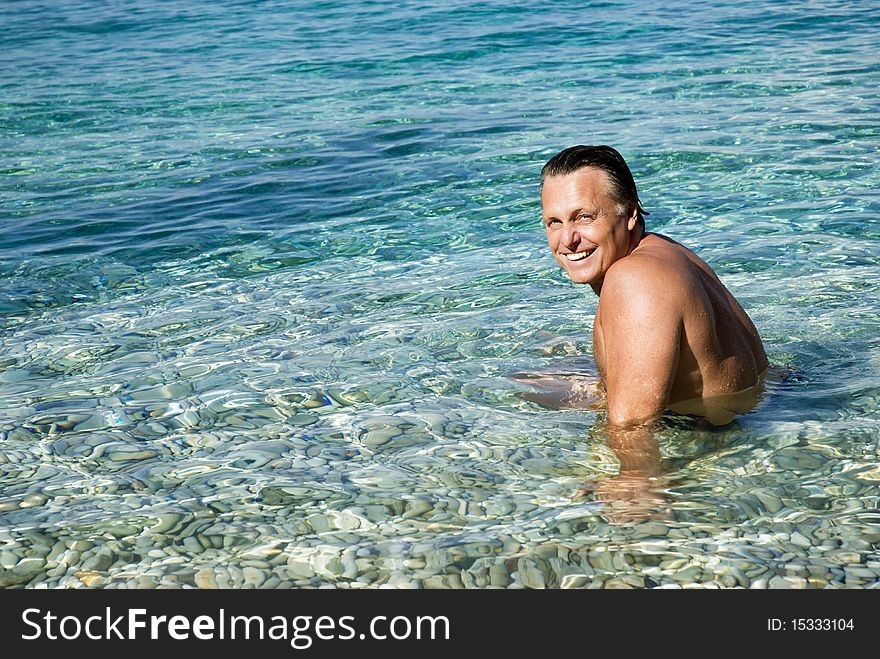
<point>658,274</point>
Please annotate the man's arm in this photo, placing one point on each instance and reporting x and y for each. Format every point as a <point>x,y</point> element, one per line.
<point>641,314</point>
<point>641,333</point>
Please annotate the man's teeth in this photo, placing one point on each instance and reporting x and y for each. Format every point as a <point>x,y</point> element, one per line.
<point>577,256</point>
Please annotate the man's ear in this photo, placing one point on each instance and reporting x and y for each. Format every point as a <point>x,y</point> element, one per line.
<point>633,219</point>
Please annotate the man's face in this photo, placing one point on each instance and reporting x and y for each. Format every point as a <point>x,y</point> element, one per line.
<point>585,229</point>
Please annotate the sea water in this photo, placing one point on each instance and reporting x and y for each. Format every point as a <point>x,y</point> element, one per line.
<point>267,270</point>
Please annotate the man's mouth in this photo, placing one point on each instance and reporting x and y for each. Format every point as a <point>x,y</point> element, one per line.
<point>579,256</point>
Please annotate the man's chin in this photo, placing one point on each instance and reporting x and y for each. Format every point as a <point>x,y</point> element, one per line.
<point>580,277</point>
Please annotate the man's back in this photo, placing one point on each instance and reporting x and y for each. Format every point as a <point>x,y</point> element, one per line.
<point>663,288</point>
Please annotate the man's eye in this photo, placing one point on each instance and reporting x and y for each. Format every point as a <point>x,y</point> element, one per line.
<point>586,218</point>
<point>550,223</point>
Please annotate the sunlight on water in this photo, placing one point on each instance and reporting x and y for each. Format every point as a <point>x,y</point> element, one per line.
<point>264,286</point>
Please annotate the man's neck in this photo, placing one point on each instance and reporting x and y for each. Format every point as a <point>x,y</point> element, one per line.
<point>636,237</point>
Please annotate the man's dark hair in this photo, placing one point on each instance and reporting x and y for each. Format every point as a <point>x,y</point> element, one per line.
<point>623,187</point>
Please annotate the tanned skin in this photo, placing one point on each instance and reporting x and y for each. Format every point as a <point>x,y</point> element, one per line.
<point>667,333</point>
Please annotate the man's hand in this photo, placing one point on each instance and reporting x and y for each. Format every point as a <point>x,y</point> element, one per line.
<point>562,392</point>
<point>629,499</point>
<point>635,494</point>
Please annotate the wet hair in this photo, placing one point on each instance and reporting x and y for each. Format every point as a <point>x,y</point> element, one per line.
<point>623,186</point>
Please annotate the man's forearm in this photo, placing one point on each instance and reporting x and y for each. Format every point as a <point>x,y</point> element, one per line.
<point>637,448</point>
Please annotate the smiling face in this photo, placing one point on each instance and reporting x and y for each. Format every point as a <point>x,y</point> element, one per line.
<point>587,229</point>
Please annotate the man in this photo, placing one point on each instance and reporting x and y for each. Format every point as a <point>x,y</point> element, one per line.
<point>667,333</point>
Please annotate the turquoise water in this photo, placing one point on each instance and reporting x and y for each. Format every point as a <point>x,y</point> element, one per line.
<point>266,270</point>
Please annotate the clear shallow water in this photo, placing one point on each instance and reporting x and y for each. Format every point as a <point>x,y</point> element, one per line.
<point>266,271</point>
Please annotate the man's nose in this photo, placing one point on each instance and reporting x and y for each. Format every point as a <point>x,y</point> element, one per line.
<point>569,235</point>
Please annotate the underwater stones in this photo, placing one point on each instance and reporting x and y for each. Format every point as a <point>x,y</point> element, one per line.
<point>317,400</point>
<point>29,565</point>
<point>602,560</point>
<point>771,503</point>
<point>417,508</point>
<point>167,521</point>
<point>689,574</point>
<point>71,557</point>
<point>22,572</point>
<point>651,529</point>
<point>270,448</point>
<point>92,579</point>
<point>800,539</point>
<point>726,581</point>
<point>349,564</point>
<point>572,581</point>
<point>621,583</point>
<point>123,530</point>
<point>379,437</point>
<point>20,434</point>
<point>192,545</point>
<point>92,422</point>
<point>253,577</point>
<point>328,565</point>
<point>55,423</point>
<point>56,570</point>
<point>8,560</point>
<point>137,358</point>
<point>429,502</point>
<point>9,578</point>
<point>402,583</point>
<point>319,523</point>
<point>131,455</point>
<point>14,375</point>
<point>855,574</point>
<point>299,569</point>
<point>736,574</point>
<point>380,430</point>
<point>299,420</point>
<point>510,545</point>
<point>844,557</point>
<point>529,573</point>
<point>145,582</point>
<point>445,581</point>
<point>789,583</point>
<point>161,392</point>
<point>345,520</point>
<point>289,496</point>
<point>99,561</point>
<point>187,419</point>
<point>471,580</point>
<point>33,501</point>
